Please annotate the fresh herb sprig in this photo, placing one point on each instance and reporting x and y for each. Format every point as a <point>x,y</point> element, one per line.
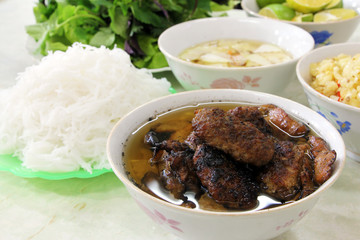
<point>133,25</point>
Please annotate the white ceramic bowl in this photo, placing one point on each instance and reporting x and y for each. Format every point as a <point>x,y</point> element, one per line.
<point>200,224</point>
<point>271,79</point>
<point>344,117</point>
<point>323,33</point>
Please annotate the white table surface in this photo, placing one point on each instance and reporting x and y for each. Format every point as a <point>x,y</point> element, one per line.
<point>100,207</point>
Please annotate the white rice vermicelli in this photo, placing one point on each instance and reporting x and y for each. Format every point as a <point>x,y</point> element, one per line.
<point>58,115</point>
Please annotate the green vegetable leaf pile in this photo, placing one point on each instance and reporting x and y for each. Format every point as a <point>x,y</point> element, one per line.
<point>133,25</point>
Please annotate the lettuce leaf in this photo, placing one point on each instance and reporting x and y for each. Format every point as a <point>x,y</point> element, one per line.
<point>133,25</point>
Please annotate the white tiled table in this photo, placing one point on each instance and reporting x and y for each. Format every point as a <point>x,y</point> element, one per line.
<point>101,208</point>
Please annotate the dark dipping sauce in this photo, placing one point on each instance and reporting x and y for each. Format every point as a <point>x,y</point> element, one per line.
<point>278,182</point>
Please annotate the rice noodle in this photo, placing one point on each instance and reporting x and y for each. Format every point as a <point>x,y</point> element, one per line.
<point>58,115</point>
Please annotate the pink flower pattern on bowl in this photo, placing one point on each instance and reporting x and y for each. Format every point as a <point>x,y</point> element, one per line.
<point>159,218</point>
<point>187,78</point>
<point>292,221</point>
<point>235,84</point>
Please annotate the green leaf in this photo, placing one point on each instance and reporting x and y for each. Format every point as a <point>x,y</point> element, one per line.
<point>135,28</point>
<point>147,44</point>
<point>104,37</point>
<point>55,46</point>
<point>76,34</point>
<point>124,6</point>
<point>158,61</point>
<point>85,3</point>
<point>40,34</point>
<point>66,12</point>
<point>42,12</point>
<point>105,3</point>
<point>144,15</point>
<point>119,42</point>
<point>119,22</point>
<point>59,23</point>
<point>217,7</point>
<point>204,5</point>
<point>36,31</point>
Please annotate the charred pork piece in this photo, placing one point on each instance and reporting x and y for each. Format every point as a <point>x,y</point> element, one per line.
<point>176,181</point>
<point>171,181</point>
<point>324,159</point>
<point>251,114</point>
<point>242,140</point>
<point>282,124</point>
<point>226,183</point>
<point>193,141</point>
<point>176,167</point>
<point>307,176</point>
<point>281,177</point>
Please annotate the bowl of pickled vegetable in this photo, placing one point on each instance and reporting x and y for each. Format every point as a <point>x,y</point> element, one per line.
<point>328,21</point>
<point>330,78</point>
<point>225,163</point>
<point>225,52</point>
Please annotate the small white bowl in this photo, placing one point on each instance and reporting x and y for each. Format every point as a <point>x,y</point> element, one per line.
<point>323,33</point>
<point>271,79</point>
<point>344,117</point>
<point>201,224</point>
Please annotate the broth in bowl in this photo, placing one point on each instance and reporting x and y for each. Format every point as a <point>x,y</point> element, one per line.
<point>269,78</point>
<point>235,53</point>
<point>226,156</point>
<point>194,223</point>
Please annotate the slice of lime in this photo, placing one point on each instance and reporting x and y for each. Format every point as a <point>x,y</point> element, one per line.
<point>263,3</point>
<point>278,11</point>
<point>308,6</point>
<point>307,17</point>
<point>334,14</point>
<point>335,4</point>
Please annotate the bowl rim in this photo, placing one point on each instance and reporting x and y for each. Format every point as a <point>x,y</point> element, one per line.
<point>310,89</point>
<point>128,183</point>
<point>245,7</point>
<point>242,20</point>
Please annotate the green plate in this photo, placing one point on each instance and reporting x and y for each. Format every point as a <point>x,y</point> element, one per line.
<point>12,164</point>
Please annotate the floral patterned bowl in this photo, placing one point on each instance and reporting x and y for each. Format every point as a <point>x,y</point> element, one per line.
<point>271,79</point>
<point>345,118</point>
<point>323,33</point>
<point>194,224</point>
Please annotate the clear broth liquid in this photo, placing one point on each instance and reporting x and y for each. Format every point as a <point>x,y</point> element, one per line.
<point>235,53</point>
